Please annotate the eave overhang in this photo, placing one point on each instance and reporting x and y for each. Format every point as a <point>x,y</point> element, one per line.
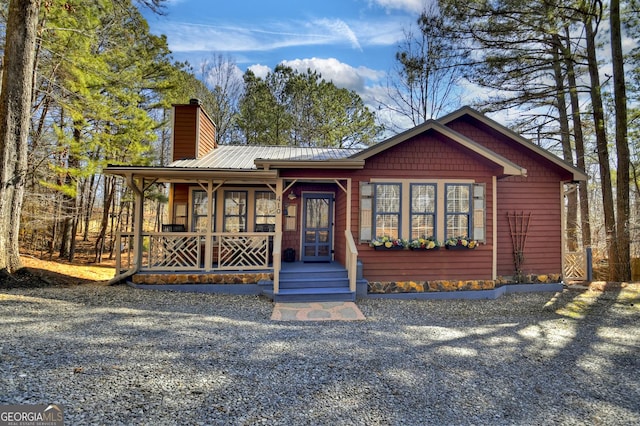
<point>577,174</point>
<point>267,164</point>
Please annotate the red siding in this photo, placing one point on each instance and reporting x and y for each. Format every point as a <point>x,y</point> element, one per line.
<point>428,156</point>
<point>537,193</point>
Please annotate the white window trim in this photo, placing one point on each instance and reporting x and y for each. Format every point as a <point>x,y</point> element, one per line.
<point>190,211</point>
<point>405,213</point>
<point>218,204</point>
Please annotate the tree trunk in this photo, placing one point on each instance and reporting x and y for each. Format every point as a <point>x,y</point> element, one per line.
<point>75,202</point>
<point>602,148</point>
<point>623,265</point>
<point>110,189</point>
<point>567,152</point>
<point>15,115</point>
<point>91,199</point>
<point>578,136</point>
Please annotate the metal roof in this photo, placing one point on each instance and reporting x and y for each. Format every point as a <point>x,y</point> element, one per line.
<point>242,157</point>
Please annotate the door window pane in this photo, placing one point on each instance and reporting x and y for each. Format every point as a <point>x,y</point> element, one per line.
<point>317,210</point>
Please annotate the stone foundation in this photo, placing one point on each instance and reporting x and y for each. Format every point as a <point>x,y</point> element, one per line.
<point>230,278</point>
<point>532,279</point>
<point>376,287</point>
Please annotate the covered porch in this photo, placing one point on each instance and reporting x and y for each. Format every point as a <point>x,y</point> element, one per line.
<point>232,223</point>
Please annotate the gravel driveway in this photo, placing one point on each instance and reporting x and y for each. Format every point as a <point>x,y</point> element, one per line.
<point>117,355</point>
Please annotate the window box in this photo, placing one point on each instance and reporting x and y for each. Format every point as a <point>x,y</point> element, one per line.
<point>424,243</point>
<point>460,243</point>
<point>459,248</point>
<point>388,243</point>
<point>388,248</point>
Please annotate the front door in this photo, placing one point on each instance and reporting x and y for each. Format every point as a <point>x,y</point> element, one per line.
<point>317,227</point>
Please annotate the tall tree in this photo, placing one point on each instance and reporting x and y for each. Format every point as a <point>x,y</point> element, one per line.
<point>592,16</point>
<point>15,114</point>
<point>429,68</point>
<point>262,118</point>
<point>224,79</point>
<point>303,109</point>
<point>623,264</point>
<point>578,135</point>
<point>517,44</point>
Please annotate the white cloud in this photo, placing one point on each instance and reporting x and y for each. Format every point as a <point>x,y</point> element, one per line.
<point>260,70</point>
<point>414,6</point>
<point>338,30</point>
<point>341,74</point>
<point>190,37</point>
<point>368,83</point>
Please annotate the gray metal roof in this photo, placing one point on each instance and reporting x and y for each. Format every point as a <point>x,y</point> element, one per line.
<point>243,156</point>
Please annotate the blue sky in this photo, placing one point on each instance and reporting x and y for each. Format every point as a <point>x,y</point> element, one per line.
<point>351,42</point>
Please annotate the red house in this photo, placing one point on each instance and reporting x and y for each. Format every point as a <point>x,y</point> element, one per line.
<point>459,203</point>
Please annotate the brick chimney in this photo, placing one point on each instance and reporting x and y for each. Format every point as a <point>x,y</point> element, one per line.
<point>194,133</point>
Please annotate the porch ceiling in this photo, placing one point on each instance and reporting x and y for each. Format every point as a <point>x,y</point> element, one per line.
<point>177,175</point>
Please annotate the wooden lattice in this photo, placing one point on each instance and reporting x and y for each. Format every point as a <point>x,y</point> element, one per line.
<point>176,252</point>
<point>244,251</point>
<point>575,266</point>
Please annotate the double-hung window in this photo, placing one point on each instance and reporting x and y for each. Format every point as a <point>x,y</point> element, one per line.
<point>458,210</point>
<point>423,210</point>
<point>386,216</point>
<point>199,207</point>
<point>235,211</point>
<point>266,207</point>
<point>412,210</point>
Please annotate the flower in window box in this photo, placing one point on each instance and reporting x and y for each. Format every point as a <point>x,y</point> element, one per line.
<point>388,243</point>
<point>460,243</point>
<point>424,243</point>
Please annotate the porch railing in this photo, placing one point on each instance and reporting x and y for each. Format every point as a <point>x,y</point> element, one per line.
<point>175,251</point>
<point>351,260</point>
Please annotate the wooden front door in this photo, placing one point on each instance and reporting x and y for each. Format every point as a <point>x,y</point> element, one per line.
<point>317,227</point>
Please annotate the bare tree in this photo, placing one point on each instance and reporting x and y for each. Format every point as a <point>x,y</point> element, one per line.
<point>224,79</point>
<point>428,69</point>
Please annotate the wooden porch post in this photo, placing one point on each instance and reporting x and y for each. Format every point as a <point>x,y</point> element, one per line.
<point>351,258</point>
<point>277,246</point>
<point>348,227</point>
<point>208,244</point>
<point>138,213</point>
<point>494,233</point>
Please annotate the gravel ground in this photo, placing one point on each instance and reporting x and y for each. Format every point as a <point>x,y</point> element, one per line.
<point>117,355</point>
